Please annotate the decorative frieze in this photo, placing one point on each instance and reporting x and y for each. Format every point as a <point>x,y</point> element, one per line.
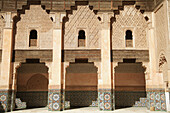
<point>43,55</point>
<point>139,55</point>
<point>56,5</point>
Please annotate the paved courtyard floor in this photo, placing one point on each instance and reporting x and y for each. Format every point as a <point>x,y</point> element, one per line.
<point>90,110</point>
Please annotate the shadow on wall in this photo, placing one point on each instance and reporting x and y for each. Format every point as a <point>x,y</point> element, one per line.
<point>1,108</point>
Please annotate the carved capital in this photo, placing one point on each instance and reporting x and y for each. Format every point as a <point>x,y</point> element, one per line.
<point>49,66</point>
<point>147,70</point>
<point>106,20</point>
<point>8,17</point>
<point>57,19</point>
<point>98,66</point>
<point>114,65</point>
<point>66,65</point>
<point>16,66</point>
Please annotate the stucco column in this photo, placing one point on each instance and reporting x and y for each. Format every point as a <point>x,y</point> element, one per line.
<point>55,89</point>
<point>105,89</point>
<point>6,73</point>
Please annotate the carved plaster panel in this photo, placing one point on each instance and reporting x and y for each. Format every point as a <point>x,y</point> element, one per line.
<point>129,19</point>
<point>82,19</point>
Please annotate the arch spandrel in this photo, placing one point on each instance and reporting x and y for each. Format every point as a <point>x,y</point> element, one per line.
<point>38,19</point>
<point>129,18</point>
<point>82,19</point>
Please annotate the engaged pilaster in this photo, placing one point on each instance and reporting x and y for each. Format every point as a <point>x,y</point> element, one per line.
<point>6,74</point>
<point>105,88</point>
<point>55,89</point>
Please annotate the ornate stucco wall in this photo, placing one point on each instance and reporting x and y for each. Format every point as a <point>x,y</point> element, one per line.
<point>129,19</point>
<point>82,19</point>
<point>34,19</point>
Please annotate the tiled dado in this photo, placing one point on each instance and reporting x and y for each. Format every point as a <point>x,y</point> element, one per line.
<point>56,100</point>
<point>5,100</point>
<point>156,99</point>
<point>105,99</point>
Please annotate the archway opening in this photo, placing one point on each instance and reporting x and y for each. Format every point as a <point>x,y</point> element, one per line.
<point>130,86</point>
<point>32,85</point>
<point>81,84</point>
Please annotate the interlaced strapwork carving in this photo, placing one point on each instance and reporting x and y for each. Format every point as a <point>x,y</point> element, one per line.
<point>82,19</point>
<point>129,18</point>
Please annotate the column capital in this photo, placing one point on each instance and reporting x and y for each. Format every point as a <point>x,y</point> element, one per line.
<point>8,17</point>
<point>66,64</point>
<point>106,20</point>
<point>49,66</point>
<point>115,64</point>
<point>146,66</point>
<point>58,19</point>
<point>147,70</point>
<point>98,65</point>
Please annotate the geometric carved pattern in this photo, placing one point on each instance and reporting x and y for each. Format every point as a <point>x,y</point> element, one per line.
<point>105,99</point>
<point>82,19</point>
<point>129,19</point>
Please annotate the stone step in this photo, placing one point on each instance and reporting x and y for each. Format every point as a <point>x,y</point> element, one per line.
<point>141,103</point>
<point>94,104</point>
<point>20,104</point>
<point>67,104</point>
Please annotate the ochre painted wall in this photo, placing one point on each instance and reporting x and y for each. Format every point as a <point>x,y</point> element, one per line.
<point>130,81</point>
<point>81,81</point>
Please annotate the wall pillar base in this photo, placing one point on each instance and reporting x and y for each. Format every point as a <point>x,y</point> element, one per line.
<point>56,100</point>
<point>105,99</point>
<point>5,100</point>
<point>157,100</point>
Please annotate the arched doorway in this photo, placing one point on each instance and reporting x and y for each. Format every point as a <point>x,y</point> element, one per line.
<point>130,86</point>
<point>81,85</point>
<point>32,86</point>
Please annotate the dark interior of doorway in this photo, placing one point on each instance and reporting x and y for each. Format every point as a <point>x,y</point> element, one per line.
<point>129,84</point>
<point>81,84</point>
<point>32,85</point>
